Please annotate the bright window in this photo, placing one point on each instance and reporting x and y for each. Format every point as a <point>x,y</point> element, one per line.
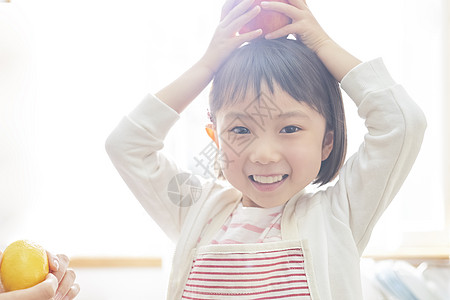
<point>69,71</point>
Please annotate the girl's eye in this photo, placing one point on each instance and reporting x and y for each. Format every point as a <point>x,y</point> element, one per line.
<point>290,129</point>
<point>240,130</point>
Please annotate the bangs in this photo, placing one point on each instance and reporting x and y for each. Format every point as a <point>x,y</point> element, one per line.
<point>269,63</point>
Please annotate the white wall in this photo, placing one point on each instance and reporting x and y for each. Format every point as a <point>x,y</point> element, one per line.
<point>121,284</point>
<point>16,119</point>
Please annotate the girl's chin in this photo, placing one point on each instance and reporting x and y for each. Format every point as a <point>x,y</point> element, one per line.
<point>264,201</point>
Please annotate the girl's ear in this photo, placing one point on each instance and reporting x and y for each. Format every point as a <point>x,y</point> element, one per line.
<point>211,131</point>
<point>327,144</point>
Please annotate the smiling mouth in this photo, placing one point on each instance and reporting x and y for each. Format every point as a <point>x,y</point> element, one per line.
<point>267,179</point>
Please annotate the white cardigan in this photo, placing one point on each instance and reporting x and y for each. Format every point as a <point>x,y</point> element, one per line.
<point>333,225</point>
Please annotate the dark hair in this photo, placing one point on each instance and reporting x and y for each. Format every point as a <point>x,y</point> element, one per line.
<point>298,71</point>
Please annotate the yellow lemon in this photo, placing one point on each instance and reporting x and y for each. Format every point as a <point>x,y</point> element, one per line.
<point>24,265</point>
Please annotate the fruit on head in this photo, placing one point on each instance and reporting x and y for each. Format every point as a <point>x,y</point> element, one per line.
<point>267,20</point>
<point>24,264</point>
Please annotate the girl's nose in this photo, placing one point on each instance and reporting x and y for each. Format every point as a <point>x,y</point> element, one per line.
<point>264,151</point>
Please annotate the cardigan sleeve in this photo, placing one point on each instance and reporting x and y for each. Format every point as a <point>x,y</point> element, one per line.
<point>134,149</point>
<point>371,177</point>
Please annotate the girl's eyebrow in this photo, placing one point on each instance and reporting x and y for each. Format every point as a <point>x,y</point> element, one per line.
<point>235,114</point>
<point>294,114</point>
<point>298,114</point>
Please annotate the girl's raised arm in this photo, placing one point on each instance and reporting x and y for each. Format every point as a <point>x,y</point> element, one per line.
<point>306,28</point>
<point>186,88</point>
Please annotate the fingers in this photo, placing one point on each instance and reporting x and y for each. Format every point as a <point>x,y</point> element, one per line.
<point>46,289</point>
<point>299,3</point>
<point>240,15</point>
<point>73,292</point>
<point>226,37</point>
<point>227,7</point>
<point>304,25</point>
<point>237,24</point>
<point>53,262</point>
<point>248,36</point>
<point>240,11</point>
<point>65,277</point>
<point>284,31</point>
<point>291,10</point>
<point>67,286</point>
<point>42,291</point>
<point>58,265</point>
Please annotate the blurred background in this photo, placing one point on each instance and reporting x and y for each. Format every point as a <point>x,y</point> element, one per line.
<point>70,70</point>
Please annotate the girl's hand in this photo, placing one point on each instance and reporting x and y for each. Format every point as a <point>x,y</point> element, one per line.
<point>183,90</point>
<point>235,14</point>
<point>304,26</point>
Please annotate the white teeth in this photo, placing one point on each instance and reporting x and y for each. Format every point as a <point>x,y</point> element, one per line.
<point>267,179</point>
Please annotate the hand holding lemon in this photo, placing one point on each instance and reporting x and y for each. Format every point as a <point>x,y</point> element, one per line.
<point>29,272</point>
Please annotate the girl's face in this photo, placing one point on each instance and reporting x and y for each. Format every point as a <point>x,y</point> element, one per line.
<point>272,148</point>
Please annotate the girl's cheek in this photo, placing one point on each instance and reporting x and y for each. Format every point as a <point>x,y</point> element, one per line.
<point>227,159</point>
<point>236,144</point>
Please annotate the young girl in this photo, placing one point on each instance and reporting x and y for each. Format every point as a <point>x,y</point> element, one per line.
<point>278,122</point>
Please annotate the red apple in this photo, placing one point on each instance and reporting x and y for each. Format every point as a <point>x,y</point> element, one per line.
<point>267,20</point>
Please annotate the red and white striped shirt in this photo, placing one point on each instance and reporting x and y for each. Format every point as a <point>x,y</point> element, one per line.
<point>251,225</point>
<point>241,264</point>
